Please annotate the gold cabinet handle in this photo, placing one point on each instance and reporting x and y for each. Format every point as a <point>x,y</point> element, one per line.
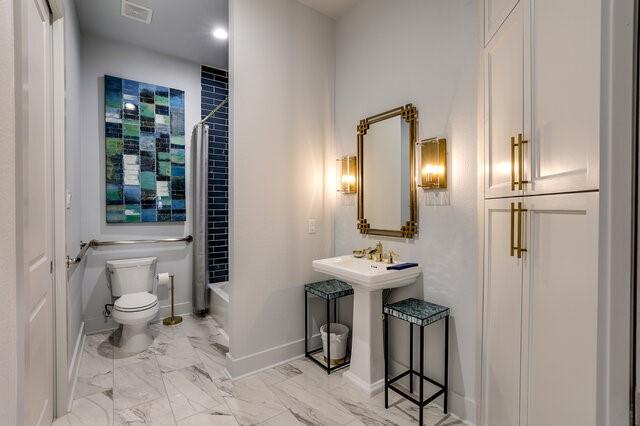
<point>519,249</point>
<point>512,248</point>
<point>513,164</point>
<point>520,144</point>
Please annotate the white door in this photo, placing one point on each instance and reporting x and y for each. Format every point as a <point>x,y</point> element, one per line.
<point>36,209</point>
<point>560,310</point>
<point>504,115</point>
<point>495,12</point>
<point>502,315</point>
<point>562,97</point>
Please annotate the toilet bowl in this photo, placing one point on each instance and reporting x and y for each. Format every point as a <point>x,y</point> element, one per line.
<point>133,287</point>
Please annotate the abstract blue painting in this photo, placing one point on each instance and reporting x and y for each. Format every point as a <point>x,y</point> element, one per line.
<point>144,152</point>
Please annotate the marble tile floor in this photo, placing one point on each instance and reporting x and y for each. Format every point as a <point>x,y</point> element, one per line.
<point>181,380</point>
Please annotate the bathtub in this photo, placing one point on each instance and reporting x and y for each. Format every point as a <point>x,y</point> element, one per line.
<point>219,303</point>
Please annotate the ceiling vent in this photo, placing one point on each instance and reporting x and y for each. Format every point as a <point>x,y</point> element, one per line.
<point>136,12</point>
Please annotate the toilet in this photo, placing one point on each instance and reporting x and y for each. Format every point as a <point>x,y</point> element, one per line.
<point>133,286</point>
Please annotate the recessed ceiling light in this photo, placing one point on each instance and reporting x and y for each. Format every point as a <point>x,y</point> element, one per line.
<point>220,34</point>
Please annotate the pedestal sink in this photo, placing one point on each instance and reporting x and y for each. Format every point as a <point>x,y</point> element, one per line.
<point>368,278</point>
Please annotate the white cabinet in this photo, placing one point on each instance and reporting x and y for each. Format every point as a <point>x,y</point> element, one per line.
<point>542,81</point>
<point>540,310</point>
<point>504,91</point>
<point>542,71</point>
<point>501,319</point>
<point>560,310</point>
<point>562,96</point>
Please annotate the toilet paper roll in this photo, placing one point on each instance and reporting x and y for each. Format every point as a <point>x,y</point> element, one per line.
<point>164,279</point>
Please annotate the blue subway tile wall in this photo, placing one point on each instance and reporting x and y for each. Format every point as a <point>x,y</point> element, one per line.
<point>215,84</point>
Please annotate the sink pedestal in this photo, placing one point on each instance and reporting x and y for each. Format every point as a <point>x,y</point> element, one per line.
<point>367,351</point>
<point>368,279</point>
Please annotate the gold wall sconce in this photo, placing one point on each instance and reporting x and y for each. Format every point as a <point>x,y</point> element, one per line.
<point>347,174</point>
<point>433,163</point>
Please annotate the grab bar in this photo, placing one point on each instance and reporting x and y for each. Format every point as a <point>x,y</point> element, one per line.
<point>83,250</point>
<point>96,243</point>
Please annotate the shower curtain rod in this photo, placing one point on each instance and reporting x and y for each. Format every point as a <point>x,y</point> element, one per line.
<point>220,105</point>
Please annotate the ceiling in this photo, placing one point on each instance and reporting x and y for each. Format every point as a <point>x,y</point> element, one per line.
<point>180,28</point>
<point>331,8</point>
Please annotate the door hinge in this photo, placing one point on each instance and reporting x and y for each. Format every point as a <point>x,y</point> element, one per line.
<point>51,267</point>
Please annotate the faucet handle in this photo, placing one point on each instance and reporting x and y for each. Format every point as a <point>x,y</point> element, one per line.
<point>393,256</point>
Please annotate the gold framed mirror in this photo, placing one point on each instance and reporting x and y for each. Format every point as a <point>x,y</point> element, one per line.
<point>386,173</point>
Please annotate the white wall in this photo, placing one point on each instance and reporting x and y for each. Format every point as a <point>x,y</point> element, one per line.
<point>100,57</point>
<point>389,54</point>
<point>8,315</point>
<point>282,85</point>
<point>73,149</point>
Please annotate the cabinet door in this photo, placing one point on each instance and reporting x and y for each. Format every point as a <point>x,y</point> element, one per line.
<point>495,12</point>
<point>560,321</point>
<point>562,96</point>
<point>504,114</point>
<point>502,315</point>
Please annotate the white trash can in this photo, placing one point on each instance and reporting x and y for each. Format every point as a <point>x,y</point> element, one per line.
<point>339,337</point>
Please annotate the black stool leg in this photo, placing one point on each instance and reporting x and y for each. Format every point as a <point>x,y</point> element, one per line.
<point>421,375</point>
<point>446,363</point>
<point>411,357</point>
<point>328,337</point>
<point>306,326</point>
<point>385,337</point>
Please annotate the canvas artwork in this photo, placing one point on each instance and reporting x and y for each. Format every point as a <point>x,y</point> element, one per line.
<point>144,150</point>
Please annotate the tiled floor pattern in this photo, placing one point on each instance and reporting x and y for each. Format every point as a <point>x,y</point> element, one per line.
<point>181,380</point>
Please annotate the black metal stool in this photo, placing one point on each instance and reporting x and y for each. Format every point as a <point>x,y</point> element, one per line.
<point>328,290</point>
<point>421,313</point>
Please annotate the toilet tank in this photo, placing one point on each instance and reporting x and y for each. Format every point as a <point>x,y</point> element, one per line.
<point>131,275</point>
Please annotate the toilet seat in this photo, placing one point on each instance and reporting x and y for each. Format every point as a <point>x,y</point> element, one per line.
<point>135,309</point>
<point>136,302</point>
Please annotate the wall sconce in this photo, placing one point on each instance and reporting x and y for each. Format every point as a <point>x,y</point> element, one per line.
<point>346,174</point>
<point>433,163</point>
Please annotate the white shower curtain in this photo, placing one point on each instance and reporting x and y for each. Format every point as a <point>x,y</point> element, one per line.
<point>200,161</point>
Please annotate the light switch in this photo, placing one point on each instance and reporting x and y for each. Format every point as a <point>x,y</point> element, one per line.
<point>313,226</point>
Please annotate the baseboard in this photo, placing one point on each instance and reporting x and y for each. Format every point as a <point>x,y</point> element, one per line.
<point>268,358</point>
<point>74,368</point>
<point>179,309</point>
<point>370,389</point>
<point>224,334</point>
<point>460,406</point>
<point>98,324</point>
<point>230,358</point>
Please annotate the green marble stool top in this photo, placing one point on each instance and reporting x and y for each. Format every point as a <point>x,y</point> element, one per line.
<point>329,289</point>
<point>417,311</point>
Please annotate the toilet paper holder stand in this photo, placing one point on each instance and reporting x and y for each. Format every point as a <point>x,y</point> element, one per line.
<point>173,319</point>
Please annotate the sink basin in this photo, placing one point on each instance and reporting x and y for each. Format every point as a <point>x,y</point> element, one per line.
<point>365,274</point>
<point>368,278</point>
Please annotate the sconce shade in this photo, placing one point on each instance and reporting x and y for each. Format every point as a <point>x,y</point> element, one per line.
<point>433,163</point>
<point>347,174</point>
